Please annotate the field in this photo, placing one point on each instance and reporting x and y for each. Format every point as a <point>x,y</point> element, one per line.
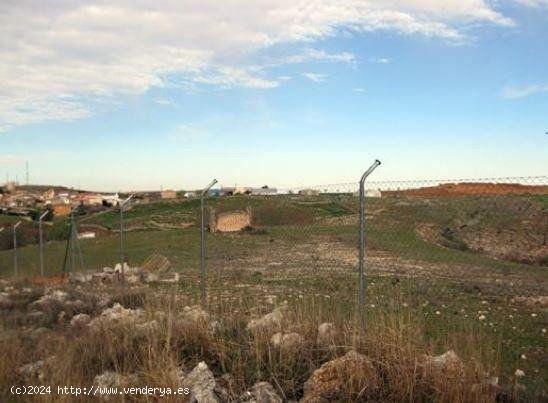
<point>464,273</point>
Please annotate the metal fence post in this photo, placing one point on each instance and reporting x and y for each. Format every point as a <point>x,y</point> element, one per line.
<point>15,262</point>
<point>202,242</point>
<point>361,260</point>
<point>121,205</point>
<point>41,240</point>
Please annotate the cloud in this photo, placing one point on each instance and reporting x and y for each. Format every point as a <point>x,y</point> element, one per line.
<point>317,78</point>
<point>359,89</point>
<point>516,92</point>
<point>532,3</point>
<point>381,60</point>
<point>7,159</point>
<point>73,59</point>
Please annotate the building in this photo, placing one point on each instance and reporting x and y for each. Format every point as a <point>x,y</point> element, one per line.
<point>168,194</point>
<point>264,191</point>
<point>61,209</point>
<point>309,192</point>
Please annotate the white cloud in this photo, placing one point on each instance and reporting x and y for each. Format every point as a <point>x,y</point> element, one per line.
<point>533,3</point>
<point>516,92</point>
<point>359,89</point>
<point>8,159</point>
<point>381,60</point>
<point>317,78</point>
<point>66,60</point>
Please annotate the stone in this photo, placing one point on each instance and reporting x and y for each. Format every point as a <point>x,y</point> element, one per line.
<point>110,379</point>
<point>269,323</point>
<point>53,296</point>
<point>109,270</point>
<point>32,370</point>
<point>342,379</point>
<point>79,277</point>
<point>326,334</point>
<point>202,385</point>
<point>117,314</point>
<point>5,300</point>
<point>288,342</point>
<point>447,364</point>
<point>261,392</point>
<point>80,320</point>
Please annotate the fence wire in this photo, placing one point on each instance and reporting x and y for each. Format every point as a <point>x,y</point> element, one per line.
<point>424,227</point>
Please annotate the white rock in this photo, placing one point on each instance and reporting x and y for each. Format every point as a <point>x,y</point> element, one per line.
<point>261,392</point>
<point>80,320</point>
<point>271,322</point>
<point>287,341</point>
<point>110,379</point>
<point>326,334</point>
<point>117,314</point>
<point>202,385</point>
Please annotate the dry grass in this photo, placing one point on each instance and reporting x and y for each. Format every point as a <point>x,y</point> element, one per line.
<point>395,342</point>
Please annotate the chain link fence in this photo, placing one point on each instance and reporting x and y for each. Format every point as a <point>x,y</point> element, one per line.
<point>413,228</point>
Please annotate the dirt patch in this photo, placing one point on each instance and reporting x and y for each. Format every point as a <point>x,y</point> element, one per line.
<point>470,189</point>
<point>511,245</point>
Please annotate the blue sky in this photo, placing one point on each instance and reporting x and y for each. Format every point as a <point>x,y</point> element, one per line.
<point>121,95</point>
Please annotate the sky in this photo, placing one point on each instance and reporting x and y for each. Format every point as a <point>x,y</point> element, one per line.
<point>142,95</point>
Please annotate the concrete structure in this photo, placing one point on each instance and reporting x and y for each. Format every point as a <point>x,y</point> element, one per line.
<point>168,194</point>
<point>232,221</point>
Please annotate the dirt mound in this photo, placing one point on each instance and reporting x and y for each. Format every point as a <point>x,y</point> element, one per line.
<point>471,189</point>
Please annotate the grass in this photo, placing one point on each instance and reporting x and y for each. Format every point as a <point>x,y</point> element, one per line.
<point>421,298</point>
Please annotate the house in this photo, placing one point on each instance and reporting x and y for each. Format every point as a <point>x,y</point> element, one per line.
<point>309,192</point>
<point>61,209</point>
<point>168,194</point>
<point>264,191</point>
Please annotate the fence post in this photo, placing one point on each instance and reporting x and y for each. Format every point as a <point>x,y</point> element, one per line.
<point>361,259</point>
<point>121,206</point>
<point>202,243</point>
<point>15,263</point>
<point>41,240</point>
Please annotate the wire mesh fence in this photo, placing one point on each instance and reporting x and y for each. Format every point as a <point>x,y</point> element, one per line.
<point>427,227</point>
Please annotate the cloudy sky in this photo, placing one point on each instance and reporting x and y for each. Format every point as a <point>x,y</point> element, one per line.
<point>126,94</point>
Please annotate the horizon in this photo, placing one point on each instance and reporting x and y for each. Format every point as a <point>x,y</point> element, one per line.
<point>127,96</point>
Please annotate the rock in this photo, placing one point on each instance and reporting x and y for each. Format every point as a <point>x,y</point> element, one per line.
<point>53,296</point>
<point>132,278</point>
<point>540,301</point>
<point>194,314</point>
<point>202,385</point>
<point>5,300</point>
<point>342,379</point>
<point>448,364</point>
<point>269,323</point>
<point>103,301</point>
<point>110,270</point>
<point>104,277</point>
<point>326,334</point>
<point>152,277</point>
<point>117,314</point>
<point>261,392</point>
<point>110,379</point>
<point>287,341</point>
<point>32,370</point>
<point>80,320</point>
<point>173,278</point>
<point>79,277</point>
